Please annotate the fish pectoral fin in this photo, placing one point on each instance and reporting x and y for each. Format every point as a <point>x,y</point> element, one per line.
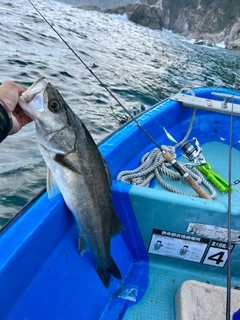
<point>117,226</point>
<point>52,186</point>
<point>64,161</point>
<point>82,246</point>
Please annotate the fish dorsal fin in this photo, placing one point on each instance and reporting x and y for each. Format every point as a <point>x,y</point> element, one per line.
<point>82,245</point>
<point>117,226</point>
<point>52,187</point>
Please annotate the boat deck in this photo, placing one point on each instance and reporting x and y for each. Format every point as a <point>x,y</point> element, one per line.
<point>159,299</point>
<point>168,273</point>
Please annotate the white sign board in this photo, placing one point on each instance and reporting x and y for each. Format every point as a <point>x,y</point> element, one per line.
<point>176,245</point>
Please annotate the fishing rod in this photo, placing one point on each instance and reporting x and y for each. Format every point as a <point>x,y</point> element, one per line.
<point>167,155</point>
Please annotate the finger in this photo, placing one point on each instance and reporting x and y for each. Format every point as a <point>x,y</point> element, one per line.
<point>25,119</point>
<point>19,109</point>
<point>10,85</point>
<point>19,122</point>
<point>21,89</point>
<point>21,117</point>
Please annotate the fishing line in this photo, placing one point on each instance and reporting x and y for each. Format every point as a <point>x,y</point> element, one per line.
<point>168,157</point>
<point>95,76</point>
<point>228,302</point>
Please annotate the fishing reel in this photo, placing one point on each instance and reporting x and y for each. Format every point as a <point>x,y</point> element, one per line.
<point>193,153</point>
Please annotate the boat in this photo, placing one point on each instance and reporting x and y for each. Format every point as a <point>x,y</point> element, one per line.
<point>174,251</point>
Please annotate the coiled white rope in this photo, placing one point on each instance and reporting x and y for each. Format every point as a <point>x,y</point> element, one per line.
<point>153,165</point>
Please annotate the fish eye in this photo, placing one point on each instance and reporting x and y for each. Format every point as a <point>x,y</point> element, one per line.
<point>53,106</point>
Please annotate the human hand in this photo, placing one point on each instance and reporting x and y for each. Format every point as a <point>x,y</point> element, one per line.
<point>9,93</point>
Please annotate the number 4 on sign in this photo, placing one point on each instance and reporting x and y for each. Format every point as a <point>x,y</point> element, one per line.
<point>216,257</point>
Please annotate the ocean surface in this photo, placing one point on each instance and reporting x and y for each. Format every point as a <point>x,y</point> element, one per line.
<point>139,65</point>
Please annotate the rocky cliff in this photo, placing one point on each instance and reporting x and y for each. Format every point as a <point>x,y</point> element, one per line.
<point>143,14</point>
<point>100,4</point>
<point>211,21</point>
<point>207,21</point>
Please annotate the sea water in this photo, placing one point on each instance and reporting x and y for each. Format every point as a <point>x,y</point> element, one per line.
<point>139,65</point>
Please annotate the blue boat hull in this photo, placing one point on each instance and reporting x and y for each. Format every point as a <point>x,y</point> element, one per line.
<point>44,277</point>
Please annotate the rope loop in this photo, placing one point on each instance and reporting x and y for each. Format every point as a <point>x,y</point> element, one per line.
<point>153,164</point>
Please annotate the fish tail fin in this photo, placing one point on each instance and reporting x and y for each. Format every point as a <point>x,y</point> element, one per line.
<point>104,273</point>
<point>113,269</point>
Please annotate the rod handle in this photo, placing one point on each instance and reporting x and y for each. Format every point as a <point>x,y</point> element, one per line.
<point>202,194</point>
<point>197,188</point>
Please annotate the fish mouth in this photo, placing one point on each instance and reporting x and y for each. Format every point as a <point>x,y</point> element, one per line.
<point>34,89</point>
<point>32,100</point>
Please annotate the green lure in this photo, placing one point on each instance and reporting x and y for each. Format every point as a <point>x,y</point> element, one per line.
<point>169,136</point>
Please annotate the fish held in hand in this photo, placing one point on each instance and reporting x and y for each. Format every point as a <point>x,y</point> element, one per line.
<point>76,169</point>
